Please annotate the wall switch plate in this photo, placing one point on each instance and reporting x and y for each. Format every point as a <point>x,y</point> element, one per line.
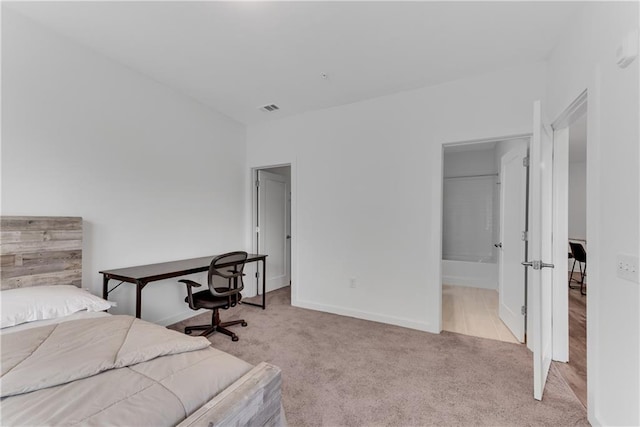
<point>627,267</point>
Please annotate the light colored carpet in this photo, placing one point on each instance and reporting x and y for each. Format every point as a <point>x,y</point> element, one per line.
<point>341,371</point>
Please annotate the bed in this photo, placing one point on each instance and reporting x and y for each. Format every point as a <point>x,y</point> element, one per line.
<point>65,361</point>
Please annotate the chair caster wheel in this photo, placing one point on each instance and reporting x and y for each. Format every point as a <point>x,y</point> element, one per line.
<point>244,324</point>
<point>234,338</point>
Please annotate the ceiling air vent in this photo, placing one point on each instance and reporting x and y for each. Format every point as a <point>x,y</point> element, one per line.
<point>269,108</point>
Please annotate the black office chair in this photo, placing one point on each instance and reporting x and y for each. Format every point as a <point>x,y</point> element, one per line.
<point>579,256</point>
<point>225,283</point>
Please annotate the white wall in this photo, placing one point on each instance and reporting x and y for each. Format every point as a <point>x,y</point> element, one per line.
<point>503,147</point>
<point>469,162</point>
<point>578,200</point>
<point>469,225</point>
<point>156,176</point>
<point>367,181</point>
<point>470,274</point>
<point>585,59</point>
<point>468,252</point>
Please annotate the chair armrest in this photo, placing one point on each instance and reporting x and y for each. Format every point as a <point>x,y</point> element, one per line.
<point>190,284</point>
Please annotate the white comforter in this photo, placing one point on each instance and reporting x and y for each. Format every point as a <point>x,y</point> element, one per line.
<point>108,371</point>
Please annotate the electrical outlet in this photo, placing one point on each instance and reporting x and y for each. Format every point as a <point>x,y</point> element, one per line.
<point>627,267</point>
<point>352,283</point>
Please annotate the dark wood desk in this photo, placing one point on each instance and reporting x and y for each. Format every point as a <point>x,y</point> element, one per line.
<point>143,274</point>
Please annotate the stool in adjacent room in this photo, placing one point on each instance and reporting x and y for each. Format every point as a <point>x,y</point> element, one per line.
<point>579,256</point>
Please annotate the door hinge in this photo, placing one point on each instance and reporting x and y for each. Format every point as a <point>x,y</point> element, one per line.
<point>525,162</point>
<point>257,274</point>
<point>525,236</point>
<point>257,229</point>
<point>523,310</point>
<point>257,183</point>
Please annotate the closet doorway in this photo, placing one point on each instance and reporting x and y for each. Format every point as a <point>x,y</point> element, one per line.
<point>484,217</point>
<point>272,224</point>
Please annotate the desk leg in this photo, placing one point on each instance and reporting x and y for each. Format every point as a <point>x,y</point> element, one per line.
<point>105,287</point>
<point>264,283</point>
<point>264,288</point>
<point>139,286</point>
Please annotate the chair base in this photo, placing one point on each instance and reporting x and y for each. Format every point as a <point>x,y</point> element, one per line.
<point>216,325</point>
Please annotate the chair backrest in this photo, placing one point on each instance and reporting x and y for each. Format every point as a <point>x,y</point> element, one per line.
<point>578,252</point>
<point>226,271</point>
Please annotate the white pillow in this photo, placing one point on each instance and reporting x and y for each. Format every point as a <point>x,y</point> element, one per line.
<point>46,302</point>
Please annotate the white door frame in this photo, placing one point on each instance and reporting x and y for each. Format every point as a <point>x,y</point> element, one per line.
<point>560,304</point>
<point>561,223</point>
<point>253,176</point>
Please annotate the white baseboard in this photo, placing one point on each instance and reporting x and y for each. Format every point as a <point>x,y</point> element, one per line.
<point>269,289</point>
<point>343,311</point>
<point>250,291</point>
<point>594,421</point>
<point>179,317</point>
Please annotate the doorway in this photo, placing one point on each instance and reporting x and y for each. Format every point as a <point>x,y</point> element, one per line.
<point>484,217</point>
<point>272,224</point>
<point>574,134</point>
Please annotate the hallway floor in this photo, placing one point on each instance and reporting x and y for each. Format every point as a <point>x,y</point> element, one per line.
<point>575,372</point>
<point>473,311</point>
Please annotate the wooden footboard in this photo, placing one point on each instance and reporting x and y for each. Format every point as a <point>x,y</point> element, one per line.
<point>255,399</point>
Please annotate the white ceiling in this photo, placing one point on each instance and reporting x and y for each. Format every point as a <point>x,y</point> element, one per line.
<point>238,56</point>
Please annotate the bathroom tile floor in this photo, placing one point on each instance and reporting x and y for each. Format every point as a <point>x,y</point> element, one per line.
<point>473,311</point>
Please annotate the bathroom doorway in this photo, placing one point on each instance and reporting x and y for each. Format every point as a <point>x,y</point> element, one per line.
<point>484,218</point>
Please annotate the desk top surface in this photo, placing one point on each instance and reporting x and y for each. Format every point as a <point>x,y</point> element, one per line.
<point>168,269</point>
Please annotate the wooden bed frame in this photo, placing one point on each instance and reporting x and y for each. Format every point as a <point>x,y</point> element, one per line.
<point>36,251</point>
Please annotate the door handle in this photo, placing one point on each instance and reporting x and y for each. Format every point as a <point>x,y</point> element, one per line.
<point>498,245</point>
<point>537,265</point>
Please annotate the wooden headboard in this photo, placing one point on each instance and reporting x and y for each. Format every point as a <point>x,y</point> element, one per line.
<point>40,250</point>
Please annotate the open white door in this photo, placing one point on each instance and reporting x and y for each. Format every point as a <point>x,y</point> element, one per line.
<point>540,249</point>
<point>511,249</point>
<point>273,196</point>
